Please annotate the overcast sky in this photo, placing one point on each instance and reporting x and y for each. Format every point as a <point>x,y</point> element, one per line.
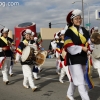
<point>44,11</point>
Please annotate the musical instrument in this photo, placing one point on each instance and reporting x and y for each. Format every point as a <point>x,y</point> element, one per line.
<point>95,38</point>
<point>28,55</point>
<point>96,56</point>
<point>31,56</point>
<point>40,57</point>
<point>96,51</point>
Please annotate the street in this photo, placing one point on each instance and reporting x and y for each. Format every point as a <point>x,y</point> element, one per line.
<point>49,88</point>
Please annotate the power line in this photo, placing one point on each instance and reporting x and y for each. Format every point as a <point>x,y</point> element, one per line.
<point>2,25</point>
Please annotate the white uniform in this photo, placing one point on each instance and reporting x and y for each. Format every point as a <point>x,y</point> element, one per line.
<point>77,74</point>
<point>6,56</point>
<point>5,68</point>
<point>64,71</point>
<point>60,53</point>
<point>96,58</point>
<point>36,68</point>
<point>26,68</point>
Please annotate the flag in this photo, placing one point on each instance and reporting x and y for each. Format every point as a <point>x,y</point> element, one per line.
<point>39,39</point>
<point>87,74</point>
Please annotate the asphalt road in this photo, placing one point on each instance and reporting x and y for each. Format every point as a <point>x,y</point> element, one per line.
<point>49,86</point>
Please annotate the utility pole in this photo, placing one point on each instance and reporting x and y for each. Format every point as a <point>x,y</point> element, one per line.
<point>83,13</point>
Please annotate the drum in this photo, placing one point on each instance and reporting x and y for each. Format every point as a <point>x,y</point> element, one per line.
<point>28,55</point>
<point>96,51</point>
<point>95,38</point>
<point>31,56</point>
<point>40,57</point>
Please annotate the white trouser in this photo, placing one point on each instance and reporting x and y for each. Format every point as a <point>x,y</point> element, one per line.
<point>58,65</point>
<point>35,75</point>
<point>39,67</point>
<point>82,91</point>
<point>77,74</point>
<point>10,69</point>
<point>64,71</point>
<point>96,64</point>
<point>70,91</point>
<point>98,69</point>
<point>5,68</point>
<point>27,72</point>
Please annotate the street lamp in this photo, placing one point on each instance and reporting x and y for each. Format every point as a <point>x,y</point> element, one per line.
<point>83,12</point>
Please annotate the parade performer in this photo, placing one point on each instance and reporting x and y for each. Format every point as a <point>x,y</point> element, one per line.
<point>91,46</point>
<point>61,56</point>
<point>96,51</point>
<point>26,67</point>
<point>11,64</point>
<point>76,38</point>
<point>36,69</point>
<point>53,43</point>
<point>5,53</point>
<point>52,50</point>
<point>56,36</point>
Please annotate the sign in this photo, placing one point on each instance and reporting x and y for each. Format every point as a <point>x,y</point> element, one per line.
<point>97,14</point>
<point>88,24</point>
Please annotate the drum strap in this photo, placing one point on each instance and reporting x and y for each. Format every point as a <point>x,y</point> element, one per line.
<point>82,38</point>
<point>4,39</point>
<point>25,41</point>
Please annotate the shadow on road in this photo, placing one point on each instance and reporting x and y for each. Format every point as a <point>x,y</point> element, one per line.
<point>49,72</point>
<point>15,81</point>
<point>94,94</point>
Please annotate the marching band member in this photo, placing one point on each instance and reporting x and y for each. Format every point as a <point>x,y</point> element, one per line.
<point>11,64</point>
<point>95,53</point>
<point>52,48</point>
<point>35,69</point>
<point>91,46</point>
<point>53,43</point>
<point>58,69</point>
<point>26,67</point>
<point>13,51</point>
<point>5,53</point>
<point>75,41</point>
<point>61,57</point>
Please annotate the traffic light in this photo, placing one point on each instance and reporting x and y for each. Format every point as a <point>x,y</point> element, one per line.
<point>50,25</point>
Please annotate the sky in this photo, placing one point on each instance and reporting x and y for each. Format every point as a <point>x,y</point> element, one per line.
<point>42,12</point>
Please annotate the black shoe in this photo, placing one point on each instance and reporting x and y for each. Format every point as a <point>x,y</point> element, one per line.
<point>41,70</point>
<point>11,75</point>
<point>6,82</point>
